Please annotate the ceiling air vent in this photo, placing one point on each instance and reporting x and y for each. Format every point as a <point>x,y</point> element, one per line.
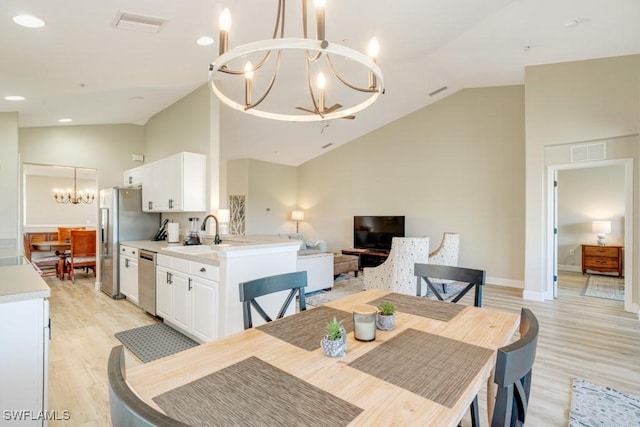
<point>137,22</point>
<point>589,152</point>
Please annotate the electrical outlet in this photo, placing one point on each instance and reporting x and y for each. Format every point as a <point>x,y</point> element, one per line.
<point>572,252</point>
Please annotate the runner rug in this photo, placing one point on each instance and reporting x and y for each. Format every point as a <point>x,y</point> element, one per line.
<point>598,405</point>
<point>152,342</point>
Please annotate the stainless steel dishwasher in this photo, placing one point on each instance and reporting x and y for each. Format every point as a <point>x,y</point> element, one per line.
<point>147,281</point>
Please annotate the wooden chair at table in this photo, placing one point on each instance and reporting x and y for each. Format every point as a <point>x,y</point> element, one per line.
<point>249,291</point>
<point>83,252</point>
<point>470,277</point>
<point>126,408</point>
<point>512,378</point>
<point>64,233</point>
<point>43,264</point>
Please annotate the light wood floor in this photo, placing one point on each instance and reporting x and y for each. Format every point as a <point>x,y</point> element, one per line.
<point>580,337</point>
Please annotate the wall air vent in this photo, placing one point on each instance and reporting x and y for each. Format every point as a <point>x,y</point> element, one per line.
<point>327,145</point>
<point>588,152</point>
<point>437,91</point>
<point>137,22</point>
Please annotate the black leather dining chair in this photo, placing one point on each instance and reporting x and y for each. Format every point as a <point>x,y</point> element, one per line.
<point>513,371</point>
<point>430,272</point>
<point>294,282</point>
<point>127,409</point>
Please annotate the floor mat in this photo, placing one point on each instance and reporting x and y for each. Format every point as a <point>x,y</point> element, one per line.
<point>152,342</point>
<point>604,287</point>
<point>597,405</point>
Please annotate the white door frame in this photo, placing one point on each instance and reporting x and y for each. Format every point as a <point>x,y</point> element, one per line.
<point>628,224</point>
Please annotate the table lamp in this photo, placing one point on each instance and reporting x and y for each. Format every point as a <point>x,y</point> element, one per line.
<point>602,228</point>
<point>297,216</point>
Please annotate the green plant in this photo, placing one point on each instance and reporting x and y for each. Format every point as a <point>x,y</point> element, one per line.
<point>386,308</point>
<point>334,329</point>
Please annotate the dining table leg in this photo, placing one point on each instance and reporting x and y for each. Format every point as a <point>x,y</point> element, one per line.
<point>62,257</point>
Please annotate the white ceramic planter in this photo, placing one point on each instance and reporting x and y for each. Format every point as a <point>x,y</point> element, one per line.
<point>385,323</point>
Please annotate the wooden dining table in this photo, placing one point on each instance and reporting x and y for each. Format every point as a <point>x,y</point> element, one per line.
<point>425,372</point>
<point>57,246</point>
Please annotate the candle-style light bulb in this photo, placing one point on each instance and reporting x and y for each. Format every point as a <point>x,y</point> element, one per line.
<point>225,26</point>
<point>321,82</point>
<point>374,48</point>
<point>248,75</point>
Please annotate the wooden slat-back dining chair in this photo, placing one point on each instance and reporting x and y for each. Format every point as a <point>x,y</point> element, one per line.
<point>249,291</point>
<point>126,408</point>
<point>83,251</point>
<point>45,265</point>
<point>470,277</point>
<point>64,233</point>
<point>514,367</point>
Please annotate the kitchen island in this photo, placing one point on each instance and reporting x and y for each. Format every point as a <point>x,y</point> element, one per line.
<point>24,333</point>
<point>197,287</point>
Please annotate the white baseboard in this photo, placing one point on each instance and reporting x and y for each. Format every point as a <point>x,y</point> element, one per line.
<point>505,282</point>
<point>532,295</point>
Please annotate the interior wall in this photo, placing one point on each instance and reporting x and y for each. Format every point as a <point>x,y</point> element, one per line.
<point>190,124</point>
<point>271,194</point>
<point>9,178</point>
<point>570,103</point>
<point>42,210</point>
<point>585,195</point>
<point>456,165</point>
<point>106,148</point>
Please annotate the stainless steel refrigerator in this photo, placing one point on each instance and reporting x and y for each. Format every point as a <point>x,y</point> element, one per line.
<point>121,219</point>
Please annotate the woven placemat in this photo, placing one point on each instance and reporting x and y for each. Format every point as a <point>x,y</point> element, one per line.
<point>434,367</point>
<point>306,329</point>
<point>419,306</point>
<point>255,393</point>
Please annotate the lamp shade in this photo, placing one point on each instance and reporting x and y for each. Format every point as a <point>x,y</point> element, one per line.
<point>601,227</point>
<point>297,215</point>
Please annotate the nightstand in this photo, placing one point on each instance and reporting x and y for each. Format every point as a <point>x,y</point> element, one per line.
<point>604,259</point>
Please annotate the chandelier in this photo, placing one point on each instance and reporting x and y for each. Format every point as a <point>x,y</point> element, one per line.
<point>74,197</point>
<point>313,63</point>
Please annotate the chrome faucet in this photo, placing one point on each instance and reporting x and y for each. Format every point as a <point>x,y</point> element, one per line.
<point>216,238</point>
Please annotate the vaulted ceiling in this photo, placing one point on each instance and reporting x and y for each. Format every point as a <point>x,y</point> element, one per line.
<point>80,66</point>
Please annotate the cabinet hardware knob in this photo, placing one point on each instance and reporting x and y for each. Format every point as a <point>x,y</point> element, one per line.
<point>203,269</point>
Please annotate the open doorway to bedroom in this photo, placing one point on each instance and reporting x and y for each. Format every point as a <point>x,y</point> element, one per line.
<point>594,198</point>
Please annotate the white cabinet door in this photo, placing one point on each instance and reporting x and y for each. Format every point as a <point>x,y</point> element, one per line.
<point>133,177</point>
<point>148,189</point>
<point>172,182</point>
<point>181,300</point>
<point>164,293</point>
<point>204,295</point>
<point>129,278</point>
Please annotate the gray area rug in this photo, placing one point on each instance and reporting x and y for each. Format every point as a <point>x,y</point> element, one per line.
<point>597,405</point>
<point>343,285</point>
<point>604,287</point>
<point>152,342</point>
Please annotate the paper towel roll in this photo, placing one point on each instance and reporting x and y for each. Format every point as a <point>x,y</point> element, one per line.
<point>173,231</point>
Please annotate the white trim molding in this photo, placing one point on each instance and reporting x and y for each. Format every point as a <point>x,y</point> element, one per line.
<point>499,281</point>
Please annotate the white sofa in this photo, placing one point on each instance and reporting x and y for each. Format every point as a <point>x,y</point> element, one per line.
<point>312,258</point>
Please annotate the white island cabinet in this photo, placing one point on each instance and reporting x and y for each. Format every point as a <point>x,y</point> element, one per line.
<point>199,294</point>
<point>24,354</point>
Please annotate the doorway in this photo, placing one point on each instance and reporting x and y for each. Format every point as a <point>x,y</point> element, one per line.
<point>596,212</point>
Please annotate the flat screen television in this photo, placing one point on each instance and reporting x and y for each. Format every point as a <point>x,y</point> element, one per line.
<point>376,232</point>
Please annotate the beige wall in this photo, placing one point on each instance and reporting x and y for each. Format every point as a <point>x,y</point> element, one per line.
<point>271,193</point>
<point>457,165</point>
<point>41,209</point>
<point>191,125</point>
<point>9,180</point>
<point>585,195</point>
<point>107,148</point>
<point>569,103</point>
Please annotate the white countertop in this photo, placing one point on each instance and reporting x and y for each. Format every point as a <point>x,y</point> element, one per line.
<point>230,246</point>
<point>21,282</point>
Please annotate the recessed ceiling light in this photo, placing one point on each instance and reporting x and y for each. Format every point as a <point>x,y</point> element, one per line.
<point>28,21</point>
<point>14,98</point>
<point>204,41</point>
<point>571,23</point>
<point>136,98</point>
<point>65,120</point>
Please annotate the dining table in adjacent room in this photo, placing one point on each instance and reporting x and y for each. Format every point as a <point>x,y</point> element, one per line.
<point>59,247</point>
<point>424,372</point>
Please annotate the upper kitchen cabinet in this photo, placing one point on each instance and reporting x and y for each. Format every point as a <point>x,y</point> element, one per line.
<point>133,177</point>
<point>175,184</point>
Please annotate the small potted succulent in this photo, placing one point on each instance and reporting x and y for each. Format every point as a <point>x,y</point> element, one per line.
<point>334,343</point>
<point>385,317</point>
